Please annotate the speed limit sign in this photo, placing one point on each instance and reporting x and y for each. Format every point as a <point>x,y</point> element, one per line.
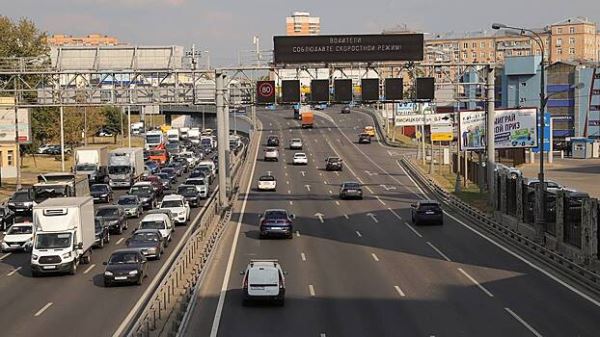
<point>265,92</point>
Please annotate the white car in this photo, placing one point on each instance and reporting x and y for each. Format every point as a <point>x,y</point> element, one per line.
<point>201,185</point>
<point>191,158</point>
<point>178,206</point>
<point>300,158</point>
<point>18,237</point>
<point>271,153</point>
<point>161,222</point>
<point>296,144</point>
<point>267,183</point>
<point>264,280</point>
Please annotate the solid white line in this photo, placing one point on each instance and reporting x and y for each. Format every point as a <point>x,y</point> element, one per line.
<point>358,234</point>
<point>346,216</point>
<point>303,257</point>
<point>219,311</point>
<point>89,268</point>
<point>400,292</point>
<point>369,189</point>
<point>311,290</point>
<point>525,324</point>
<point>322,334</point>
<point>44,308</point>
<point>297,233</point>
<point>119,241</point>
<point>286,174</point>
<point>5,256</point>
<point>381,201</point>
<point>325,182</point>
<point>439,251</point>
<point>375,257</point>
<point>14,271</point>
<point>487,292</point>
<point>337,202</point>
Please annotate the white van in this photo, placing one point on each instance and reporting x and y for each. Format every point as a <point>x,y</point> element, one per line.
<point>264,280</point>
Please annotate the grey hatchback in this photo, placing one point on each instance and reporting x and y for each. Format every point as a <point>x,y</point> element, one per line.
<point>427,212</point>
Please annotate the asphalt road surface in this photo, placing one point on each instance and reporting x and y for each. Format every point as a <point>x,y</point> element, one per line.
<point>364,270</point>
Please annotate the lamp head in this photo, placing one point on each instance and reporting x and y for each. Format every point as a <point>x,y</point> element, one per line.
<point>497,26</point>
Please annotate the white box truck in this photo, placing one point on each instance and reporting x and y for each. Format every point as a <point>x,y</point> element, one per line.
<point>93,162</point>
<point>173,135</point>
<point>194,135</point>
<point>60,185</point>
<point>125,166</point>
<point>63,235</point>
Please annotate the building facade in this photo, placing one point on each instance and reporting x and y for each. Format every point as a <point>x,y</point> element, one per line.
<point>301,23</point>
<point>58,40</point>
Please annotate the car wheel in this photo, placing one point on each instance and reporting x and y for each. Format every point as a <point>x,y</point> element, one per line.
<point>140,279</point>
<point>73,268</point>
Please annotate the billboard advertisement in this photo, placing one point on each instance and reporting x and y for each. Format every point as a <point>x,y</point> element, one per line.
<point>7,125</point>
<point>347,48</point>
<point>513,128</point>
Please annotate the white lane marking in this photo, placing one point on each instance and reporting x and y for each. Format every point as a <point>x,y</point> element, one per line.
<point>487,292</point>
<point>119,241</point>
<point>439,251</point>
<point>89,268</point>
<point>369,189</point>
<point>311,290</point>
<point>329,129</point>
<point>321,173</point>
<point>285,167</point>
<point>303,257</point>
<point>346,216</point>
<point>14,271</point>
<point>522,321</point>
<point>303,173</point>
<point>337,202</point>
<point>291,202</point>
<point>337,173</point>
<point>320,216</point>
<point>289,192</point>
<point>325,182</point>
<point>400,292</point>
<point>5,256</point>
<point>322,334</point>
<point>316,140</point>
<point>287,182</point>
<point>286,174</point>
<point>381,201</point>
<point>372,216</point>
<point>44,308</point>
<point>219,311</point>
<point>307,187</point>
<point>298,234</point>
<point>330,192</point>
<point>413,229</point>
<point>375,257</point>
<point>358,234</point>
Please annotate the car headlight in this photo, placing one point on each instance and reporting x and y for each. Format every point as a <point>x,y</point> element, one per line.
<point>133,272</point>
<point>66,255</point>
<point>34,257</point>
<point>152,250</point>
<point>107,273</point>
<point>104,195</point>
<point>11,204</point>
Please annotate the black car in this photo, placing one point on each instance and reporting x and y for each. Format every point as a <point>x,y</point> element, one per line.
<point>165,180</point>
<point>184,163</point>
<point>101,193</point>
<point>114,216</point>
<point>102,232</point>
<point>350,189</point>
<point>276,222</point>
<point>148,241</point>
<point>125,266</point>
<point>427,212</point>
<point>345,110</point>
<point>7,217</point>
<point>273,141</point>
<point>178,167</point>
<point>364,138</point>
<point>22,201</point>
<point>170,172</point>
<point>190,193</point>
<point>146,194</point>
<point>333,164</point>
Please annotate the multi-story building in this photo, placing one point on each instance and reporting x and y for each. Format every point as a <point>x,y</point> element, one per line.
<point>57,40</point>
<point>301,23</point>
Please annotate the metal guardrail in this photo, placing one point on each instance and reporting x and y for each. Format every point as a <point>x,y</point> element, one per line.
<point>586,278</point>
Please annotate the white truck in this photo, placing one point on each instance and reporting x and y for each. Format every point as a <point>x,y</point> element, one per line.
<point>93,162</point>
<point>125,166</point>
<point>63,235</point>
<point>183,133</point>
<point>154,138</point>
<point>173,135</point>
<point>194,135</point>
<point>137,128</point>
<point>60,185</point>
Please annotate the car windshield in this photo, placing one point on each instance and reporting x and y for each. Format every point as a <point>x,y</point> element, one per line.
<point>53,240</point>
<point>127,201</point>
<point>85,167</point>
<point>300,155</point>
<point>153,139</point>
<point>157,153</point>
<point>99,188</point>
<point>267,178</point>
<point>17,230</point>
<point>296,140</point>
<point>152,224</point>
<point>119,169</point>
<point>107,212</point>
<point>21,196</point>
<point>429,207</point>
<point>195,182</point>
<point>187,190</point>
<point>351,185</point>
<point>334,160</point>
<point>145,237</point>
<point>123,258</point>
<point>140,190</point>
<point>276,215</point>
<point>171,203</point>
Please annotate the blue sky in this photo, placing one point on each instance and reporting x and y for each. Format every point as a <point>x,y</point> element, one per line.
<point>226,26</point>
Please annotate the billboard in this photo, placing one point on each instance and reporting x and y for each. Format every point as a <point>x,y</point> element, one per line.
<point>513,128</point>
<point>7,125</point>
<point>347,48</point>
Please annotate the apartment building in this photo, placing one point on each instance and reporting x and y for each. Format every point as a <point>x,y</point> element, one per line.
<point>301,23</point>
<point>58,40</point>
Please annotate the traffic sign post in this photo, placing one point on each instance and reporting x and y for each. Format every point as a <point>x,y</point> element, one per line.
<point>265,92</point>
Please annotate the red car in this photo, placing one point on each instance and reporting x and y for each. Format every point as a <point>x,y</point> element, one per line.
<point>157,184</point>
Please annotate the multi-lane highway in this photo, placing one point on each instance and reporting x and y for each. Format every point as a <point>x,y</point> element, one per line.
<point>358,267</point>
<point>78,305</point>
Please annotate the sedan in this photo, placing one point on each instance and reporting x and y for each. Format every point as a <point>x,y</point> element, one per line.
<point>276,222</point>
<point>125,266</point>
<point>345,110</point>
<point>101,193</point>
<point>148,241</point>
<point>132,205</point>
<point>102,232</point>
<point>350,189</point>
<point>114,217</point>
<point>165,180</point>
<point>178,167</point>
<point>267,183</point>
<point>300,158</point>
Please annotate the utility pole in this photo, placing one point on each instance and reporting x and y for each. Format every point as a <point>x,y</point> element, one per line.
<point>226,138</point>
<point>491,146</point>
<point>422,111</point>
<point>17,145</point>
<point>129,125</point>
<point>221,135</point>
<point>62,138</point>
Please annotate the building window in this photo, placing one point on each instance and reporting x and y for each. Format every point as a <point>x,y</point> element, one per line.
<point>482,45</point>
<point>474,44</point>
<point>491,54</point>
<point>10,157</point>
<point>559,42</point>
<point>464,55</point>
<point>465,45</point>
<point>474,55</point>
<point>559,30</point>
<point>559,51</point>
<point>571,40</point>
<point>482,55</point>
<point>572,30</point>
<point>571,51</point>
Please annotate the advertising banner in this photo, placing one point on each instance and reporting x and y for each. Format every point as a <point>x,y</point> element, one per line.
<point>7,125</point>
<point>513,128</point>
